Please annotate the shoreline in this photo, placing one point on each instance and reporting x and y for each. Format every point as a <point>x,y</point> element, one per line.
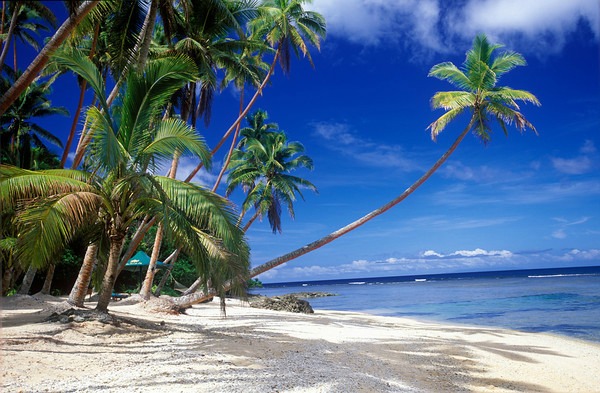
<point>257,350</point>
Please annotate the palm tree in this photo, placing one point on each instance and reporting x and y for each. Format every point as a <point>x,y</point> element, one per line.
<point>19,131</point>
<point>127,139</point>
<point>263,168</point>
<point>26,19</point>
<point>479,95</point>
<point>287,27</point>
<point>41,59</point>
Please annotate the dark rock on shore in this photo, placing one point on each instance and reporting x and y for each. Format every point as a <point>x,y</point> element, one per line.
<point>311,295</point>
<point>289,303</point>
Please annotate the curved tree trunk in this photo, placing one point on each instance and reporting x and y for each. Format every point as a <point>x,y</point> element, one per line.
<point>84,277</point>
<point>42,58</point>
<point>241,115</point>
<point>108,282</point>
<point>48,281</point>
<point>194,298</point>
<point>27,281</point>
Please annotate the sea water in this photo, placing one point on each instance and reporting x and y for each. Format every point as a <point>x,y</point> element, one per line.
<point>562,301</point>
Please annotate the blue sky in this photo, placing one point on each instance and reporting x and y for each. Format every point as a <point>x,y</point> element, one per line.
<point>522,201</point>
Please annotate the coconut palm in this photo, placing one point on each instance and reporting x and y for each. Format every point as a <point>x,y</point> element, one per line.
<point>480,96</point>
<point>42,58</point>
<point>287,27</point>
<point>27,18</point>
<point>19,131</point>
<point>127,140</point>
<point>263,168</point>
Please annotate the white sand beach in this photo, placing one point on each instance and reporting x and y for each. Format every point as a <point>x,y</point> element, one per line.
<point>255,350</point>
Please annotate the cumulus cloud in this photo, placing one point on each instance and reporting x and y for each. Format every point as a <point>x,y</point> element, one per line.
<point>372,22</point>
<point>436,26</point>
<point>542,22</point>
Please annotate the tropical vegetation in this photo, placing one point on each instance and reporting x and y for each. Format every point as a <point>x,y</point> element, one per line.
<point>153,68</point>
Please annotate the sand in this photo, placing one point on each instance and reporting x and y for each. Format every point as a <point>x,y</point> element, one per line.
<point>253,350</point>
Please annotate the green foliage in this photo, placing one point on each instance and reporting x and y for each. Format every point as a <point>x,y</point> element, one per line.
<point>184,271</point>
<point>262,164</point>
<point>479,94</point>
<point>254,283</point>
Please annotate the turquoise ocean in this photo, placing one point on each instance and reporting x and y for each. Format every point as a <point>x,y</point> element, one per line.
<point>564,301</point>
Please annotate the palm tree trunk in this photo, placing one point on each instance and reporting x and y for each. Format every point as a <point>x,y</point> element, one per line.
<point>2,21</point>
<point>84,140</point>
<point>135,242</point>
<point>42,58</point>
<point>27,281</point>
<point>192,288</point>
<point>241,115</point>
<point>147,31</point>
<point>171,259</point>
<point>146,290</point>
<point>197,297</point>
<point>108,282</point>
<point>48,281</point>
<point>250,221</point>
<point>11,29</point>
<point>229,154</point>
<point>63,160</point>
<point>84,277</point>
<point>147,287</point>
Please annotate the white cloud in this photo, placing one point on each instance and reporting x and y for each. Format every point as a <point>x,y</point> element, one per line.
<point>372,22</point>
<point>431,253</point>
<point>436,26</point>
<point>559,234</point>
<point>544,23</point>
<point>187,164</point>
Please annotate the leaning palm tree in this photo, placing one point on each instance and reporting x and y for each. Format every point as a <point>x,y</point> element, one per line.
<point>127,140</point>
<point>480,96</point>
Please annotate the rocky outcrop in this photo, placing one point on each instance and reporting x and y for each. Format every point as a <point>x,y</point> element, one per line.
<point>311,295</point>
<point>289,303</point>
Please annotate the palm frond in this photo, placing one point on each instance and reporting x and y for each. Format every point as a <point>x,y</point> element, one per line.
<point>440,124</point>
<point>51,224</point>
<point>449,72</point>
<point>79,63</point>
<point>452,100</point>
<point>175,135</point>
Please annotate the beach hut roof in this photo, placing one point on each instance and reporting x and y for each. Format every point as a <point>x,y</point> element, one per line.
<point>141,259</point>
